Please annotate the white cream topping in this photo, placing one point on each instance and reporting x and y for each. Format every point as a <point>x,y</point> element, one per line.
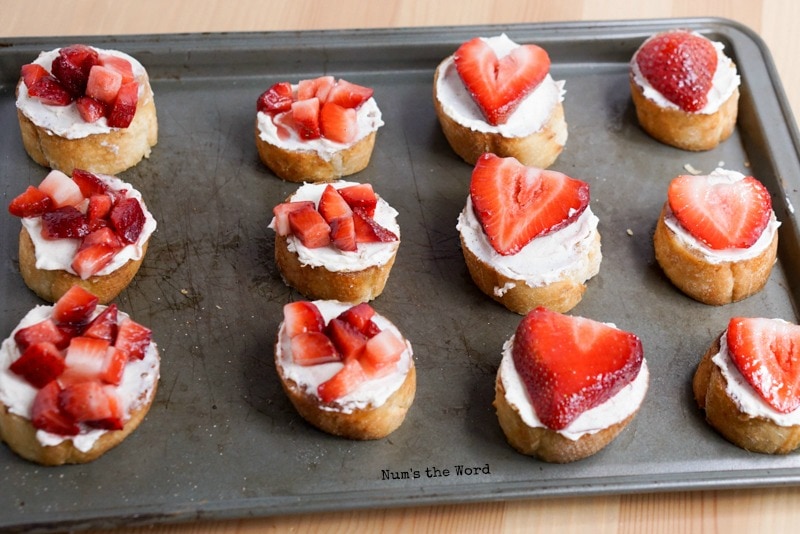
<point>725,81</point>
<point>368,118</point>
<point>529,117</point>
<point>369,394</point>
<point>137,386</point>
<point>722,176</point>
<point>66,121</point>
<point>598,418</point>
<point>333,259</point>
<point>58,254</point>
<point>743,394</point>
<point>546,259</point>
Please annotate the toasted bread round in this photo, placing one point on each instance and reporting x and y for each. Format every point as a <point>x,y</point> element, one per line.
<point>710,283</point>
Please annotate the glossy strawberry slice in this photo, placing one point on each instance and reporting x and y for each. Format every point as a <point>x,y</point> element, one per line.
<point>124,107</point>
<point>499,85</point>
<point>313,348</point>
<point>90,109</point>
<point>46,413</point>
<point>50,91</point>
<point>98,210</point>
<point>64,223</point>
<point>369,231</point>
<point>572,364</point>
<point>767,353</point>
<point>103,84</point>
<point>343,382</point>
<point>347,339</point>
<point>360,317</point>
<point>337,123</point>
<point>61,188</point>
<point>133,338</point>
<point>515,204</point>
<point>118,64</point>
<point>332,205</point>
<point>72,67</point>
<point>85,357</point>
<point>349,95</point>
<point>315,87</point>
<point>309,227</point>
<point>32,73</point>
<point>76,306</point>
<point>680,65</point>
<point>302,316</point>
<point>104,325</point>
<point>89,183</point>
<point>127,218</point>
<point>381,354</point>
<point>360,196</point>
<point>45,330</point>
<point>90,260</point>
<point>40,364</point>
<point>343,233</point>
<point>305,114</point>
<point>92,403</point>
<point>277,99</point>
<point>281,214</point>
<point>31,203</point>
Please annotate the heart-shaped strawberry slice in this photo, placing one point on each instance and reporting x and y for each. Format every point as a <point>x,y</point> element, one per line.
<point>572,364</point>
<point>498,85</point>
<point>719,210</point>
<point>767,353</point>
<point>516,204</point>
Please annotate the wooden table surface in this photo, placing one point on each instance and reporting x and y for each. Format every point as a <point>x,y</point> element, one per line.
<point>764,510</point>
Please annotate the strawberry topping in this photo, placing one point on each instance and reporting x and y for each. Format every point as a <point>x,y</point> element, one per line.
<point>302,316</point>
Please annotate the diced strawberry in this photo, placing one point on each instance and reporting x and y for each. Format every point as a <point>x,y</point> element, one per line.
<point>381,354</point>
<point>133,338</point>
<point>103,84</point>
<point>343,382</point>
<point>102,236</point>
<point>90,109</point>
<point>369,231</point>
<point>32,73</point>
<point>347,339</point>
<point>89,183</point>
<point>680,65</point>
<point>124,107</point>
<point>45,330</point>
<point>90,260</point>
<point>127,219</point>
<point>64,223</point>
<point>72,67</point>
<point>302,316</point>
<point>305,114</point>
<point>349,95</point>
<point>515,204</point>
<point>309,227</point>
<point>571,364</point>
<point>337,123</point>
<point>313,348</point>
<point>498,86</point>
<point>277,99</point>
<point>360,317</point>
<point>723,215</point>
<point>360,196</point>
<point>316,87</point>
<point>114,366</point>
<point>99,208</point>
<point>46,413</point>
<point>118,64</point>
<point>91,403</point>
<point>332,205</point>
<point>40,364</point>
<point>76,306</point>
<point>343,233</point>
<point>281,214</point>
<point>85,358</point>
<point>31,203</point>
<point>104,325</point>
<point>50,92</point>
<point>61,188</point>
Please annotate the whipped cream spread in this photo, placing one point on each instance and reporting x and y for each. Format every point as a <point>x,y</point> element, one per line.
<point>614,410</point>
<point>725,81</point>
<point>531,115</point>
<point>721,176</point>
<point>546,259</point>
<point>369,394</point>
<point>368,119</point>
<point>367,255</point>
<point>136,388</point>
<point>66,121</point>
<point>742,393</point>
<point>58,254</point>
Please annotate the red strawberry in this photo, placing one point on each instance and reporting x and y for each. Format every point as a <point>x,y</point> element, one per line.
<point>305,114</point>
<point>281,214</point>
<point>89,183</point>
<point>31,203</point>
<point>516,204</point>
<point>302,316</point>
<point>680,65</point>
<point>767,352</point>
<point>360,196</point>
<point>103,84</point>
<point>343,382</point>
<point>62,189</point>
<point>85,358</point>
<point>343,233</point>
<point>40,364</point>
<point>102,236</point>
<point>118,64</point>
<point>332,205</point>
<point>76,306</point>
<point>349,95</point>
<point>90,260</point>
<point>337,123</point>
<point>309,227</point>
<point>50,92</point>
<point>381,354</point>
<point>369,231</point>
<point>92,403</point>
<point>313,348</point>
<point>99,208</point>
<point>46,412</point>
<point>90,109</point>
<point>124,107</point>
<point>276,99</point>
<point>315,87</point>
<point>347,340</point>
<point>45,330</point>
<point>104,326</point>
<point>133,338</point>
<point>360,317</point>
<point>572,364</point>
<point>32,73</point>
<point>128,219</point>
<point>723,215</point>
<point>499,85</point>
<point>72,67</point>
<point>66,222</point>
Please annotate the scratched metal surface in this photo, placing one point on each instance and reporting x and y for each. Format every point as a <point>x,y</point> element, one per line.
<point>222,440</point>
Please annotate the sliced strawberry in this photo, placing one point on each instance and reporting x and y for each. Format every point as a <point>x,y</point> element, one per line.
<point>337,123</point>
<point>114,366</point>
<point>32,73</point>
<point>313,348</point>
<point>349,95</point>
<point>40,364</point>
<point>133,338</point>
<point>315,87</point>
<point>343,233</point>
<point>45,330</point>
<point>31,203</point>
<point>61,188</point>
<point>89,183</point>
<point>46,413</point>
<point>50,92</point>
<point>680,65</point>
<point>103,84</point>
<point>85,358</point>
<point>767,353</point>
<point>305,114</point>
<point>90,109</point>
<point>99,207</point>
<point>343,382</point>
<point>128,219</point>
<point>347,339</point>
<point>76,306</point>
<point>90,260</point>
<point>309,227</point>
<point>360,196</point>
<point>118,64</point>
<point>515,204</point>
<point>124,107</point>
<point>381,354</point>
<point>101,236</point>
<point>332,205</point>
<point>91,403</point>
<point>723,215</point>
<point>360,317</point>
<point>369,231</point>
<point>499,85</point>
<point>302,316</point>
<point>64,223</point>
<point>72,67</point>
<point>104,325</point>
<point>277,99</point>
<point>281,214</point>
<point>572,364</point>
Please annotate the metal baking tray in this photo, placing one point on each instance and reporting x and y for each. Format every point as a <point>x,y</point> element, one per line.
<point>222,440</point>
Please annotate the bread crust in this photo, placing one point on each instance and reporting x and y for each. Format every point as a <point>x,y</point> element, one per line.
<point>104,153</point>
<point>308,166</point>
<point>538,149</point>
<point>544,443</point>
<point>687,131</point>
<point>710,283</point>
<point>50,285</point>
<point>320,283</point>
<point>361,424</point>
<point>560,296</point>
<point>754,434</point>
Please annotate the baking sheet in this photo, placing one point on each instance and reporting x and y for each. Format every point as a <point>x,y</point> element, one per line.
<point>222,440</point>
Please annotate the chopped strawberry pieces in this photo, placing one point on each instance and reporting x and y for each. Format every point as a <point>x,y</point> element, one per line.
<point>76,306</point>
<point>306,117</point>
<point>281,214</point>
<point>347,339</point>
<point>337,123</point>
<point>349,95</point>
<point>302,316</point>
<point>64,223</point>
<point>92,403</point>
<point>313,348</point>
<point>46,412</point>
<point>90,109</point>
<point>72,67</point>
<point>103,84</point>
<point>90,260</point>
<point>32,73</point>
<point>369,231</point>
<point>86,357</point>
<point>133,338</point>
<point>61,189</point>
<point>309,227</point>
<point>381,354</point>
<point>360,317</point>
<point>343,233</point>
<point>332,204</point>
<point>360,196</point>
<point>315,87</point>
<point>31,203</point>
<point>118,64</point>
<point>124,107</point>
<point>277,99</point>
<point>88,183</point>
<point>45,330</point>
<point>40,364</point>
<point>127,219</point>
<point>104,325</point>
<point>345,381</point>
<point>50,92</point>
